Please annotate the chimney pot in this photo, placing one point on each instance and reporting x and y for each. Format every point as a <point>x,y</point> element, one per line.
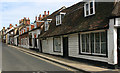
<point>48,12</point>
<point>16,25</point>
<point>45,13</point>
<point>36,18</point>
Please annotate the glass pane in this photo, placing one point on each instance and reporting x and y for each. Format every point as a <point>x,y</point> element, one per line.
<point>91,11</point>
<point>87,9</point>
<point>92,42</point>
<point>91,7</point>
<point>103,42</point>
<point>91,4</point>
<point>87,43</point>
<point>97,43</point>
<point>83,43</point>
<point>57,44</point>
<point>103,48</point>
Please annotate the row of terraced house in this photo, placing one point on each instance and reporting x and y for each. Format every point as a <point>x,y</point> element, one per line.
<point>88,31</point>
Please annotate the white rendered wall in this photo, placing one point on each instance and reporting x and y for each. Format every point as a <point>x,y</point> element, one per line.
<point>74,50</point>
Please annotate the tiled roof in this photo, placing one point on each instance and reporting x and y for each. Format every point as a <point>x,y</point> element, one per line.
<point>74,20</point>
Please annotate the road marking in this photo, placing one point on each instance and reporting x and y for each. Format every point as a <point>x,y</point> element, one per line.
<point>67,68</point>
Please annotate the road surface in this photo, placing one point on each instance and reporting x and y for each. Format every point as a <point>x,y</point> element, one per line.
<point>15,60</point>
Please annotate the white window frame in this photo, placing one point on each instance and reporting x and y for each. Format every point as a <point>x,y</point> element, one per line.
<point>85,11</point>
<point>59,18</point>
<point>90,43</point>
<point>46,25</point>
<point>57,39</point>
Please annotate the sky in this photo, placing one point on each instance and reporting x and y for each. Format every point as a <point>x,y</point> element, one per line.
<point>11,11</point>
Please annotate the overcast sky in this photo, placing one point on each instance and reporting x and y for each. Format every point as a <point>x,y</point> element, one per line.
<point>11,11</point>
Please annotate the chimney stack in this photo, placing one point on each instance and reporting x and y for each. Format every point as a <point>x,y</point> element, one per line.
<point>48,12</point>
<point>39,18</point>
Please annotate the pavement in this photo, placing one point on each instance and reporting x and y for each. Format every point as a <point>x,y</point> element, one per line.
<point>82,67</point>
<point>17,60</point>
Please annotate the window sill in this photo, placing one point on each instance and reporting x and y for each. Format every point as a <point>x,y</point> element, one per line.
<point>57,51</point>
<point>93,54</point>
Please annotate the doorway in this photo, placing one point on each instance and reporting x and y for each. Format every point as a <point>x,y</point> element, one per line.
<point>40,48</point>
<point>118,45</point>
<point>65,47</point>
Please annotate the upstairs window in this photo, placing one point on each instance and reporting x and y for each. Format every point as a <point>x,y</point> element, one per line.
<point>47,24</point>
<point>59,18</point>
<point>89,8</point>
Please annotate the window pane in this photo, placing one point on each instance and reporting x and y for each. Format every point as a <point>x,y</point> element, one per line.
<point>91,4</point>
<point>83,43</point>
<point>97,43</point>
<point>91,7</point>
<point>103,42</point>
<point>91,11</point>
<point>87,43</point>
<point>57,44</point>
<point>87,9</point>
<point>92,42</point>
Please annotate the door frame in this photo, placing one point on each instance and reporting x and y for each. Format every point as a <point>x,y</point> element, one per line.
<point>66,55</point>
<point>118,50</point>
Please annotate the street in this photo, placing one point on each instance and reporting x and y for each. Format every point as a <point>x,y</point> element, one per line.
<point>14,60</point>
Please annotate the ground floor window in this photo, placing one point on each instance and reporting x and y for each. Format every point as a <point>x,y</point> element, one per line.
<point>94,43</point>
<point>57,44</point>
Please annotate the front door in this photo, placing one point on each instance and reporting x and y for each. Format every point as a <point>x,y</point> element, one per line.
<point>65,47</point>
<point>118,43</point>
<point>40,48</point>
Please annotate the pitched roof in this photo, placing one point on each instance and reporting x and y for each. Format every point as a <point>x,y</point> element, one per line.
<point>74,20</point>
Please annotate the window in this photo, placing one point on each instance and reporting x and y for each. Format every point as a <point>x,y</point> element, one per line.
<point>57,44</point>
<point>94,43</point>
<point>46,25</point>
<point>89,8</point>
<point>59,18</point>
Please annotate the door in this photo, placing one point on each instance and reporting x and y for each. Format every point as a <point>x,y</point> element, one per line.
<point>40,48</point>
<point>17,41</point>
<point>65,47</point>
<point>118,43</point>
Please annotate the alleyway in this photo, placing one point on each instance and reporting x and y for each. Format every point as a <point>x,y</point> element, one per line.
<point>14,60</point>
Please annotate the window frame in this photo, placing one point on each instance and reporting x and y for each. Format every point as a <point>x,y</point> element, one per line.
<point>93,53</point>
<point>89,9</point>
<point>59,18</point>
<point>54,45</point>
<point>46,25</point>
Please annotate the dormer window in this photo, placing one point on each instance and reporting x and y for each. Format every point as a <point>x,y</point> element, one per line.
<point>47,24</point>
<point>89,8</point>
<point>59,18</point>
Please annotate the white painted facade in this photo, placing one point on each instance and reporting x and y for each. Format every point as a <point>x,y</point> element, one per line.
<point>37,32</point>
<point>74,49</point>
<point>73,45</point>
<point>15,40</point>
<point>47,46</point>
